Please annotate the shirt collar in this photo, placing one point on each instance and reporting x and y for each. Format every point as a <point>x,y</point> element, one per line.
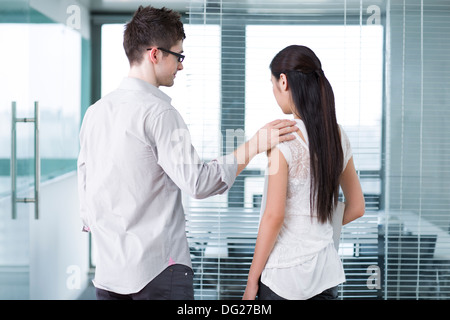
<point>129,83</point>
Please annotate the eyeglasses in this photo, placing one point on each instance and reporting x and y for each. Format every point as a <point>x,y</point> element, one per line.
<point>178,55</point>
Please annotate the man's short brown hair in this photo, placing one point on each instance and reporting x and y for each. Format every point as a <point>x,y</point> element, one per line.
<point>151,27</point>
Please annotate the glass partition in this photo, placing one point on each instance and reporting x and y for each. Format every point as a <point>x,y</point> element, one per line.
<point>41,65</point>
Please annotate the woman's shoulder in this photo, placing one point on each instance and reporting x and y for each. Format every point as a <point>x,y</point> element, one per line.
<point>346,146</point>
<point>344,137</point>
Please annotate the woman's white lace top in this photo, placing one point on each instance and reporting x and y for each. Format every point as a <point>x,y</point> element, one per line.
<point>304,261</point>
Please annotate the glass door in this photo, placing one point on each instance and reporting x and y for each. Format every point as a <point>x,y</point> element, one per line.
<point>43,254</point>
<point>16,152</point>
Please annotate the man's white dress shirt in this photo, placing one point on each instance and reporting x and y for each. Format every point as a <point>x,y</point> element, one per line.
<point>135,160</point>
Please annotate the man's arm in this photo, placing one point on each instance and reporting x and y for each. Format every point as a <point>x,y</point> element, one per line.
<point>265,139</point>
<point>180,160</point>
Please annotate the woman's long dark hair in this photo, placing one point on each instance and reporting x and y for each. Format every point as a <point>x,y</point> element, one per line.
<point>314,102</point>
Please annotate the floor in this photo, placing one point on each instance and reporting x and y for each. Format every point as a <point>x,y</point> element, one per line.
<point>89,292</point>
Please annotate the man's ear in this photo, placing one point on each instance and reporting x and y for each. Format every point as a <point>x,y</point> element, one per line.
<point>153,55</point>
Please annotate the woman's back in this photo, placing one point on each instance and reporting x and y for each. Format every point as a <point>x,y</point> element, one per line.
<point>301,235</point>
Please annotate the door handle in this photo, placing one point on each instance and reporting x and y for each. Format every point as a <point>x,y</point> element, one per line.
<point>37,162</point>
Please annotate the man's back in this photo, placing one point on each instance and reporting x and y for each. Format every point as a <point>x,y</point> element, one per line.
<point>132,206</point>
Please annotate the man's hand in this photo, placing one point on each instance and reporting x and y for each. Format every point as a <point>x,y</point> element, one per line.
<point>265,139</point>
<point>272,134</point>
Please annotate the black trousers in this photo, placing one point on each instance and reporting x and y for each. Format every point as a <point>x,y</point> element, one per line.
<point>265,293</point>
<point>174,283</point>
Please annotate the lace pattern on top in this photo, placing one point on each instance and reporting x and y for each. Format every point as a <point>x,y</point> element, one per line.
<point>301,235</point>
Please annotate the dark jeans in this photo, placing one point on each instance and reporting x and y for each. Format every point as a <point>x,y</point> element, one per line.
<point>174,283</point>
<point>265,293</point>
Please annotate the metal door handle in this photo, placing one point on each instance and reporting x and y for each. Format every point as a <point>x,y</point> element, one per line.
<point>37,163</point>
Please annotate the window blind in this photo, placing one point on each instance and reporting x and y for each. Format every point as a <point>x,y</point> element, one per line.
<point>222,230</point>
<point>417,219</point>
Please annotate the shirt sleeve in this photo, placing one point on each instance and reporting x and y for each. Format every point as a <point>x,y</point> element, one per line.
<point>180,161</point>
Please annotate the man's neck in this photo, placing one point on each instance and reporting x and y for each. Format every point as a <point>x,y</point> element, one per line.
<point>145,75</point>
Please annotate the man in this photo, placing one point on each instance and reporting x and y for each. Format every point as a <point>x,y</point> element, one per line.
<point>132,171</point>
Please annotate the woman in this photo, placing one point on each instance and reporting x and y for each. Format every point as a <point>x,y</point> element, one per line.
<point>295,257</point>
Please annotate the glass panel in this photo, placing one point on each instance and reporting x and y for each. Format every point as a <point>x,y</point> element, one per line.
<point>14,234</point>
<point>40,61</point>
<point>115,64</point>
<point>350,47</point>
<point>416,223</point>
<point>55,81</point>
